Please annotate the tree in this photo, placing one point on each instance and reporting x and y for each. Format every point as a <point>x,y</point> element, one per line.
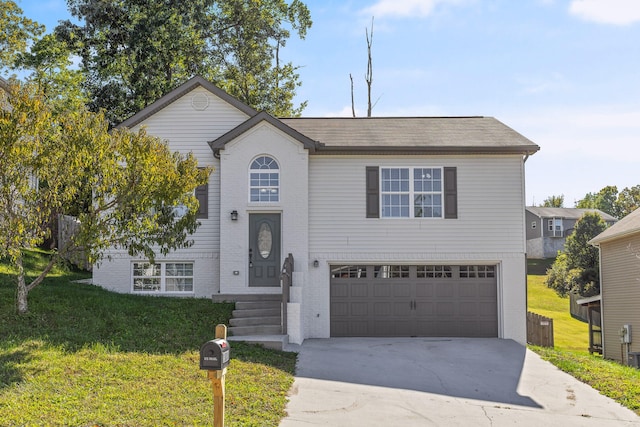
<point>604,200</point>
<point>133,52</point>
<point>49,65</point>
<point>368,77</point>
<point>610,201</point>
<point>49,157</point>
<point>16,32</point>
<point>628,201</point>
<point>576,269</point>
<point>554,202</point>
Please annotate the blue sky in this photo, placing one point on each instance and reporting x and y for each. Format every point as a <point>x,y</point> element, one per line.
<point>564,73</point>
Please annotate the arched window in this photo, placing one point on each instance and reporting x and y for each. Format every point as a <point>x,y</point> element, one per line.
<point>264,180</point>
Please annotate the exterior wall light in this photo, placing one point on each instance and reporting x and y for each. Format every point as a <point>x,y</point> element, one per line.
<point>316,263</point>
<point>234,215</point>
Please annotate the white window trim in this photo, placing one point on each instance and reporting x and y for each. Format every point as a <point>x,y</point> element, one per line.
<point>555,227</point>
<point>279,187</point>
<point>163,277</point>
<point>412,193</point>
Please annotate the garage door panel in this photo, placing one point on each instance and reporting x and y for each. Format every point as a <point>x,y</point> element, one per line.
<point>444,290</point>
<point>358,328</point>
<point>384,328</point>
<point>382,290</point>
<point>359,289</point>
<point>446,309</point>
<point>487,290</point>
<point>468,309</point>
<point>382,309</point>
<point>468,290</point>
<point>339,290</point>
<point>487,309</point>
<point>425,308</point>
<point>402,290</point>
<point>424,290</point>
<point>339,309</point>
<point>446,304</point>
<point>400,309</point>
<point>359,309</point>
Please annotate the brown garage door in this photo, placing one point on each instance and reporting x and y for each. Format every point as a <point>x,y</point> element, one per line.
<point>417,300</point>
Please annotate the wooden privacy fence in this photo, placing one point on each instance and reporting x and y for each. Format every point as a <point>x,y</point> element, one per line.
<point>539,330</point>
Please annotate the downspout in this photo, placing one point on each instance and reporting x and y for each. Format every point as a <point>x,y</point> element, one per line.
<point>524,237</point>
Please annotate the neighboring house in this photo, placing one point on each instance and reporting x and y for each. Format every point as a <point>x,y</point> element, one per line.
<point>620,286</point>
<point>548,228</point>
<point>398,226</point>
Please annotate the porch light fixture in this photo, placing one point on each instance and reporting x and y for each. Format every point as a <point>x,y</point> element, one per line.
<point>234,215</point>
<point>316,263</point>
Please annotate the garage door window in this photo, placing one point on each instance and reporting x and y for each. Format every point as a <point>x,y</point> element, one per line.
<point>477,271</point>
<point>434,271</point>
<point>349,272</point>
<point>391,271</point>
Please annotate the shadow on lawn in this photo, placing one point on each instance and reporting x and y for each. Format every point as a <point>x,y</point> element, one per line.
<point>10,360</point>
<point>75,316</point>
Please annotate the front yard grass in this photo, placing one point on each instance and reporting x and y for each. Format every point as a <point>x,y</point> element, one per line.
<point>84,356</point>
<point>571,355</point>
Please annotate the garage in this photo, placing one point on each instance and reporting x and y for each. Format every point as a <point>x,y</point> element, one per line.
<point>414,300</point>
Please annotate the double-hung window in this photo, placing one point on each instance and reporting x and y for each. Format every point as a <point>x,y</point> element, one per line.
<point>413,192</point>
<point>555,227</point>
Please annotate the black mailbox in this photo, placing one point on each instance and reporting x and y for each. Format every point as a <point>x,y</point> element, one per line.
<point>214,355</point>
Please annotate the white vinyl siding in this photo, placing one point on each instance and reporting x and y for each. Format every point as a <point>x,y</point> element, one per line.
<point>490,208</point>
<point>187,130</point>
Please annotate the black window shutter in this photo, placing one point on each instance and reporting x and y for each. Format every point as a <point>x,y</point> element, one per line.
<point>373,192</point>
<point>450,193</point>
<point>202,194</point>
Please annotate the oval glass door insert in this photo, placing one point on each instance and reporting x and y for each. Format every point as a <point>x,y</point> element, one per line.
<point>265,240</point>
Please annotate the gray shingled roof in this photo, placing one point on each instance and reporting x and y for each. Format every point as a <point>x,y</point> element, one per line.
<point>433,134</point>
<point>630,224</point>
<point>567,213</point>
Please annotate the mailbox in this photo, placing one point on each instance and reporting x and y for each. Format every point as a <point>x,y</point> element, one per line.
<point>214,355</point>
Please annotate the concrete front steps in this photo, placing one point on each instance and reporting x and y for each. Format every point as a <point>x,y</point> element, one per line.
<point>257,319</point>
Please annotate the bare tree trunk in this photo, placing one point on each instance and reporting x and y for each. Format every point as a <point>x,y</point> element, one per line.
<point>353,106</point>
<point>369,76</point>
<point>22,305</point>
<point>22,293</point>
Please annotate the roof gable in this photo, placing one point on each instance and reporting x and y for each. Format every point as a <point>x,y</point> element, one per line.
<point>628,225</point>
<point>179,92</point>
<point>219,143</point>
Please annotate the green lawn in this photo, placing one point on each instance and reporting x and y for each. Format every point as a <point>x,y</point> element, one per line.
<point>570,353</point>
<point>568,333</point>
<point>85,356</point>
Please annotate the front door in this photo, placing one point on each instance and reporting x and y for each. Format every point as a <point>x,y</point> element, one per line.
<point>264,249</point>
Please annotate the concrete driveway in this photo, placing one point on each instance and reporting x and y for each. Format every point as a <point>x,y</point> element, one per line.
<point>439,382</point>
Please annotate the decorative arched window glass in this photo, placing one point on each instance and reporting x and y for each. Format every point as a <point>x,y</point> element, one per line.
<point>264,180</point>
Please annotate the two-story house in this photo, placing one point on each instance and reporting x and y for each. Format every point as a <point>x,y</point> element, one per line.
<point>548,228</point>
<point>411,226</point>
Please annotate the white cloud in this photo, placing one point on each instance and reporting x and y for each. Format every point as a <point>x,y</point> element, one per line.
<point>405,8</point>
<point>615,12</point>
